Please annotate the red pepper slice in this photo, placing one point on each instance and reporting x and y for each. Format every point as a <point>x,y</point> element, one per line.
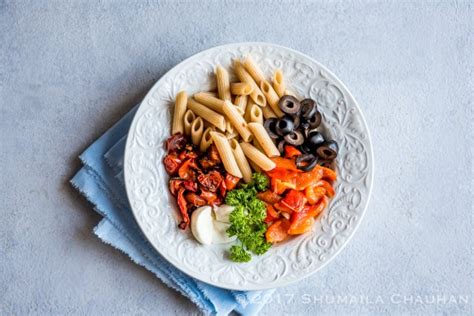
<point>291,151</point>
<point>182,205</point>
<point>294,200</point>
<point>278,231</point>
<point>269,197</point>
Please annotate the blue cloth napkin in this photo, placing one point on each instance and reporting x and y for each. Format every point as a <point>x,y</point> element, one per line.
<point>101,181</point>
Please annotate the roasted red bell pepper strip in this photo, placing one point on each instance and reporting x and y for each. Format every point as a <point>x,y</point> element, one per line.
<point>272,214</point>
<point>294,200</point>
<point>285,164</point>
<point>327,186</point>
<point>278,231</point>
<point>328,174</point>
<point>314,194</point>
<point>269,197</point>
<point>291,151</point>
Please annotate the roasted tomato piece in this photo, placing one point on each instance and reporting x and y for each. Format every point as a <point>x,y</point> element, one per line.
<point>291,151</point>
<point>176,142</point>
<point>174,185</point>
<point>272,214</point>
<point>294,200</point>
<point>186,171</point>
<point>207,163</point>
<point>218,201</point>
<point>278,231</point>
<point>208,196</point>
<point>214,154</point>
<point>194,199</point>
<point>314,194</point>
<point>190,185</point>
<point>269,197</point>
<point>222,188</point>
<point>231,181</point>
<point>172,163</point>
<point>210,181</point>
<point>183,208</point>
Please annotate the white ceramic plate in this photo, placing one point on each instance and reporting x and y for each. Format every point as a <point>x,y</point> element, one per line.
<point>155,209</point>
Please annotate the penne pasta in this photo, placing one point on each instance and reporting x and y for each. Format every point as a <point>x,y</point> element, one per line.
<point>268,113</point>
<point>230,131</point>
<point>248,109</point>
<point>210,93</point>
<point>223,83</point>
<point>264,139</point>
<point>255,167</point>
<point>188,119</point>
<point>241,103</point>
<point>256,114</point>
<point>206,139</point>
<point>256,95</point>
<point>278,83</point>
<point>257,157</point>
<point>207,114</point>
<point>253,69</point>
<point>197,128</point>
<point>210,101</point>
<point>241,88</point>
<point>226,155</point>
<point>241,160</point>
<point>272,97</point>
<point>237,121</point>
<point>179,110</point>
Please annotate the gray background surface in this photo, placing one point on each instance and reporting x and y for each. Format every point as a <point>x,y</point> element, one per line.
<point>69,70</point>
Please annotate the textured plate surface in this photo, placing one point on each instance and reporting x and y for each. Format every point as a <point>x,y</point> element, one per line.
<point>155,209</point>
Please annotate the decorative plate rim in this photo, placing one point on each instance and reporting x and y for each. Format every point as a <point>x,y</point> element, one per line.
<point>275,283</point>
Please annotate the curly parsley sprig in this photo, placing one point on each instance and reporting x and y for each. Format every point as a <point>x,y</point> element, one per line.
<point>247,219</point>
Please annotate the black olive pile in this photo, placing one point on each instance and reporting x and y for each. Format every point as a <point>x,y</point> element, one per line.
<point>298,128</point>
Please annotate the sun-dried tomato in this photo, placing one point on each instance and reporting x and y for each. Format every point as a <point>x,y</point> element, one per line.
<point>176,183</point>
<point>186,171</point>
<point>210,181</point>
<point>195,199</point>
<point>208,196</point>
<point>231,181</point>
<point>172,163</point>
<point>177,142</point>
<point>214,154</point>
<point>183,209</point>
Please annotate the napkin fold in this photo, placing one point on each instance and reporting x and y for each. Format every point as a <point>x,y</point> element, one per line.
<point>101,182</point>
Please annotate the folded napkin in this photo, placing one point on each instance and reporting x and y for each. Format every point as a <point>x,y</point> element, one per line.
<point>101,181</point>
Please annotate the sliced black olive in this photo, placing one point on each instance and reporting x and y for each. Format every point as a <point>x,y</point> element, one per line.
<point>308,108</point>
<point>314,140</point>
<point>289,104</point>
<point>281,146</point>
<point>295,138</point>
<point>306,162</point>
<point>284,126</point>
<point>331,164</point>
<point>270,126</point>
<point>328,151</point>
<point>296,120</point>
<point>305,125</point>
<point>304,149</point>
<point>315,120</point>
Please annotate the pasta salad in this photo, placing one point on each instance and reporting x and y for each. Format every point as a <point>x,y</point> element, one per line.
<point>248,163</point>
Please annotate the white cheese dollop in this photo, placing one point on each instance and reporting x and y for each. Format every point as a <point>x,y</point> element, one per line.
<point>209,225</point>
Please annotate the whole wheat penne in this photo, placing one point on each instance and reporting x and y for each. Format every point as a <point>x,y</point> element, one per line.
<point>210,101</point>
<point>256,114</point>
<point>207,114</point>
<point>241,103</point>
<point>188,119</point>
<point>256,95</point>
<point>206,139</point>
<point>268,113</point>
<point>253,69</point>
<point>223,83</point>
<point>272,97</point>
<point>226,155</point>
<point>241,160</point>
<point>264,139</point>
<point>257,157</point>
<point>278,83</point>
<point>179,110</point>
<point>197,128</point>
<point>241,88</point>
<point>237,120</point>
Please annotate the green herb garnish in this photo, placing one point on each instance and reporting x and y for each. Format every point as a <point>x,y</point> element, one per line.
<point>247,219</point>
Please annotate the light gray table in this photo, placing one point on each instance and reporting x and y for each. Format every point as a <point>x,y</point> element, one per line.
<point>68,70</point>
